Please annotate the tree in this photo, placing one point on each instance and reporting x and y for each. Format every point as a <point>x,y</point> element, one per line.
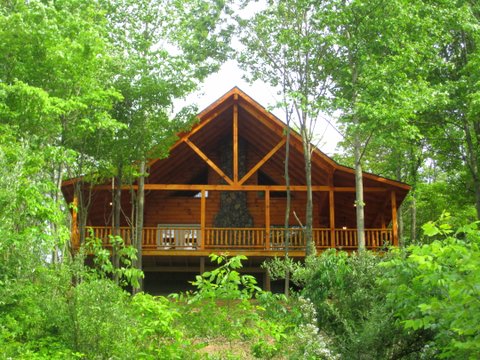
<point>287,45</point>
<point>163,50</point>
<point>54,89</point>
<point>379,74</point>
<point>457,110</point>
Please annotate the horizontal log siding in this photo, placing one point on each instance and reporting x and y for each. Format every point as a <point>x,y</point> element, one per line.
<point>184,210</point>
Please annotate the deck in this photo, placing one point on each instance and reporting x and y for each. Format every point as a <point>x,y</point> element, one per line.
<point>189,241</point>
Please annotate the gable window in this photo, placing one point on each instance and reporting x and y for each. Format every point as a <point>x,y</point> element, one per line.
<point>264,179</point>
<point>198,195</point>
<point>199,179</point>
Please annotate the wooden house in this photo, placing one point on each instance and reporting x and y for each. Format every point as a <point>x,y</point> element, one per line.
<point>222,188</point>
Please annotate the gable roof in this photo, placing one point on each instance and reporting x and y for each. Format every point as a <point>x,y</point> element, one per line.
<point>264,125</point>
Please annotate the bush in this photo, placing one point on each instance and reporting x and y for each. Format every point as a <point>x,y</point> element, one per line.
<point>225,282</point>
<point>435,288</point>
<point>351,306</point>
<point>101,325</point>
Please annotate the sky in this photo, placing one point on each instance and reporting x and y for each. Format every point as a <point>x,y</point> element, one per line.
<point>230,75</point>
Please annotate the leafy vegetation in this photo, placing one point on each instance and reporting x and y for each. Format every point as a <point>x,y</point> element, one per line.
<point>90,84</point>
<point>421,302</point>
<point>436,288</point>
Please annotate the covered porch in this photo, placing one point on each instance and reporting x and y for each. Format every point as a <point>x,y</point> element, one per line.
<point>200,237</point>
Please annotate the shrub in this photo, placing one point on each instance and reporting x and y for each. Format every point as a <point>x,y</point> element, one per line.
<point>225,282</point>
<point>100,320</point>
<point>351,306</point>
<point>435,288</point>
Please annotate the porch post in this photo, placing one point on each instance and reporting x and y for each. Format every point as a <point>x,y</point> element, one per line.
<point>331,201</point>
<point>267,219</point>
<point>393,201</point>
<point>74,231</point>
<point>202,220</point>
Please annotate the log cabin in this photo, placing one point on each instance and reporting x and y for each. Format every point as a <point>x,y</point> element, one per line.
<point>222,189</point>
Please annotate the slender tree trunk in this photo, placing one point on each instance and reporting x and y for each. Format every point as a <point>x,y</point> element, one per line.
<point>310,247</point>
<point>117,208</point>
<point>472,161</point>
<point>133,215</point>
<point>139,218</point>
<point>413,208</point>
<point>359,203</point>
<point>57,196</point>
<point>287,208</point>
<point>82,212</point>
<point>401,227</point>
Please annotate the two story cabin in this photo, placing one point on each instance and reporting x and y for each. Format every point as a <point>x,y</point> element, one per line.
<point>222,189</point>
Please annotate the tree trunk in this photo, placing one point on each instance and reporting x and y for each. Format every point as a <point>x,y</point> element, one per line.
<point>83,206</point>
<point>413,208</point>
<point>287,208</point>
<point>401,225</point>
<point>359,204</point>
<point>57,196</point>
<point>139,219</point>
<point>117,208</point>
<point>310,247</point>
<point>401,239</point>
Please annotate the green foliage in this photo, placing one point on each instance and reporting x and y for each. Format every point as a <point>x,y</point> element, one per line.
<point>154,328</point>
<point>278,267</point>
<point>274,326</point>
<point>351,306</point>
<point>225,282</point>
<point>440,196</point>
<point>435,287</point>
<point>45,315</point>
<point>99,320</point>
<point>126,273</point>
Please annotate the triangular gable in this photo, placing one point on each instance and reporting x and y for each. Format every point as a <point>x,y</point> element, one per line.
<point>275,126</point>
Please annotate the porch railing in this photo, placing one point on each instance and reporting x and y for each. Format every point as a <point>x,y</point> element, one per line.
<point>273,239</point>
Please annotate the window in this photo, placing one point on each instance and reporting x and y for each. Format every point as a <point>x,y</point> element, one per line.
<point>264,179</point>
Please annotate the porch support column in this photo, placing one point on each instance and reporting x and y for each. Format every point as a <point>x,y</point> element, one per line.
<point>331,202</point>
<point>202,222</point>
<point>74,231</point>
<point>267,219</point>
<point>202,265</point>
<point>393,198</point>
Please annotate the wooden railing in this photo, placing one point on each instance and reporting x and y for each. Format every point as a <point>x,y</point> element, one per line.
<point>297,239</point>
<point>374,238</point>
<point>235,238</point>
<point>273,239</point>
<point>161,238</point>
